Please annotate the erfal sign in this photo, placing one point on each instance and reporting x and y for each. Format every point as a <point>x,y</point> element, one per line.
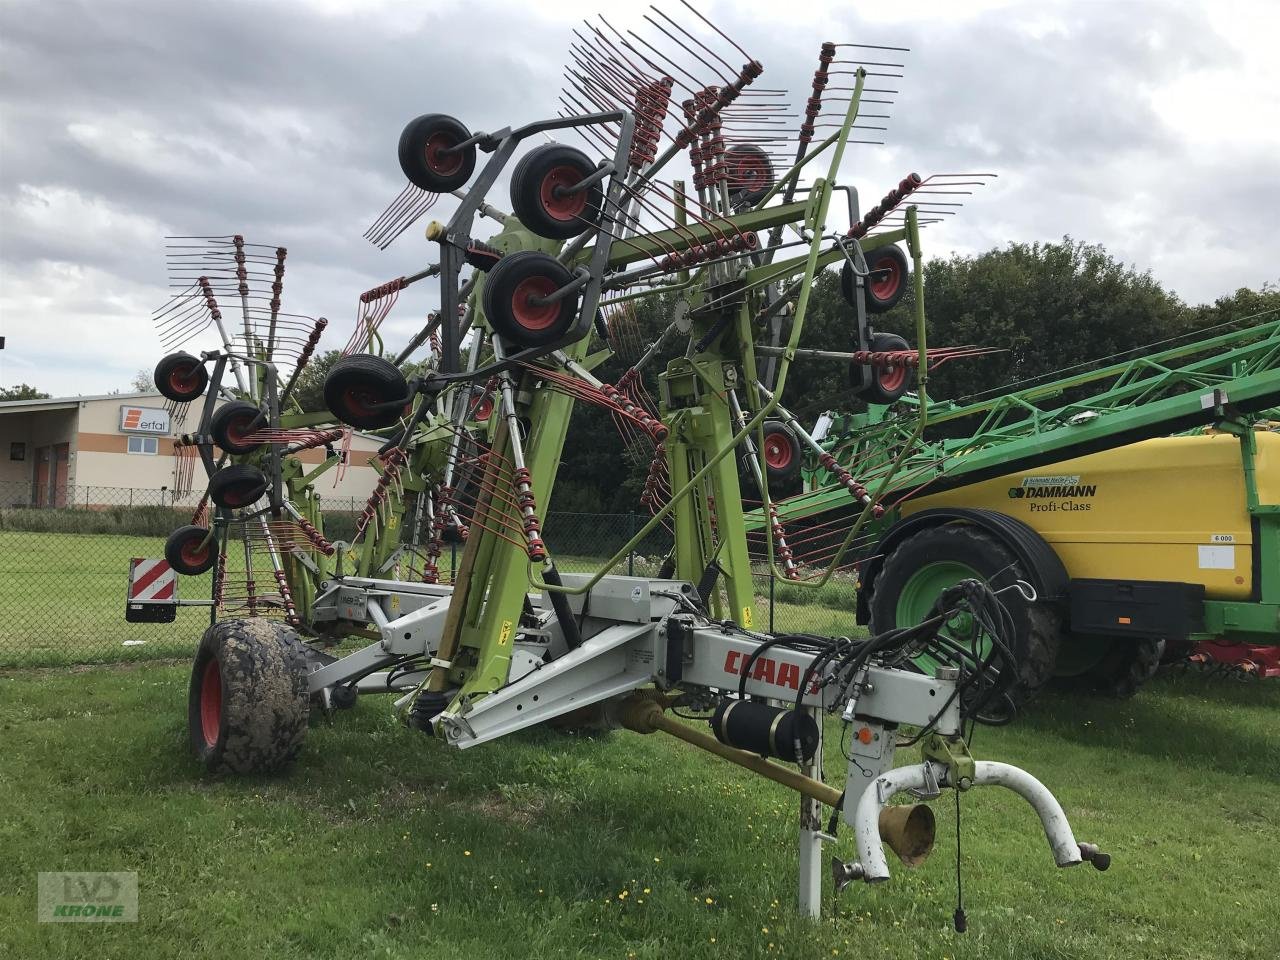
<point>143,420</point>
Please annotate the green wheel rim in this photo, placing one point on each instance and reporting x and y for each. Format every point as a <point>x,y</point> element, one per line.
<point>919,594</point>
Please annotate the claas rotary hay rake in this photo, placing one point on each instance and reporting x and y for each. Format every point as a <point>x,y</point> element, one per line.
<point>473,435</point>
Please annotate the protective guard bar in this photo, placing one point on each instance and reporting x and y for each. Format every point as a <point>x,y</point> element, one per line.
<point>928,776</point>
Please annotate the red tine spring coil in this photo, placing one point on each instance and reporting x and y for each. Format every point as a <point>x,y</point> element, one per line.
<point>813,105</point>
<point>209,299</point>
<point>383,290</point>
<point>242,274</point>
<point>904,189</point>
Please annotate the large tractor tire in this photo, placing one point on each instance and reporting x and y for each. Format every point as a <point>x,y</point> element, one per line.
<point>926,563</point>
<point>248,706</point>
<point>1125,664</point>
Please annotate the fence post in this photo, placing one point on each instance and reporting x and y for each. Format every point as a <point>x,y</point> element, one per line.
<point>631,554</point>
<point>772,580</point>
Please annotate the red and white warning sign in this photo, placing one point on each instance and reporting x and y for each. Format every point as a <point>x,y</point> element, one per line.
<point>151,581</point>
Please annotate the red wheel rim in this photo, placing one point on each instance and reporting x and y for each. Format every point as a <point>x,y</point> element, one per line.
<point>358,402</point>
<point>239,429</point>
<point>211,703</point>
<point>441,163</point>
<point>885,284</point>
<point>749,174</point>
<point>562,206</point>
<point>529,316</point>
<point>777,452</point>
<point>893,377</point>
<point>240,494</point>
<point>183,379</point>
<point>194,551</point>
<point>482,408</point>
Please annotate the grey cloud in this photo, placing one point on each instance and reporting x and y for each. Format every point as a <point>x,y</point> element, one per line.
<point>281,123</point>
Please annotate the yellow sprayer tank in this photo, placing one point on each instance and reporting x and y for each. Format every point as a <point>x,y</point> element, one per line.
<point>1171,509</point>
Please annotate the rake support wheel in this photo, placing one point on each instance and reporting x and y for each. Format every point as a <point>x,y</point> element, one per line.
<point>366,392</point>
<point>887,283</point>
<point>247,706</point>
<point>885,384</point>
<point>428,156</point>
<point>180,377</point>
<point>509,292</point>
<point>750,173</point>
<point>781,453</point>
<point>540,194</point>
<point>238,485</point>
<point>190,550</point>
<point>233,423</point>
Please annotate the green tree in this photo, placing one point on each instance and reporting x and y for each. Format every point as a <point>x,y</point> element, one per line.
<point>23,391</point>
<point>309,390</point>
<point>1043,306</point>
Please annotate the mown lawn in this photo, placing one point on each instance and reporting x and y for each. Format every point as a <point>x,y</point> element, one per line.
<point>379,842</point>
<point>62,601</point>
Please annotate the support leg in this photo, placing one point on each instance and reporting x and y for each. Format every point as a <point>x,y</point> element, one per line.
<point>811,840</point>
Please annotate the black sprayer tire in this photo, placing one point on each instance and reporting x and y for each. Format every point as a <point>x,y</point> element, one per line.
<point>233,422</point>
<point>422,158</point>
<point>519,278</point>
<point>884,385</point>
<point>190,550</point>
<point>952,552</point>
<point>537,192</point>
<point>358,386</point>
<point>1126,666</point>
<point>247,707</point>
<point>180,377</point>
<point>238,485</point>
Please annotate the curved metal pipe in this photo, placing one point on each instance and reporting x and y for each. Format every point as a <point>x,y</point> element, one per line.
<point>866,818</point>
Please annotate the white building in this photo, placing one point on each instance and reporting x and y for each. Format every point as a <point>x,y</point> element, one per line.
<point>94,450</point>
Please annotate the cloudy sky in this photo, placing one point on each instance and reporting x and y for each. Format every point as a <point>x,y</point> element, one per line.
<point>1152,128</point>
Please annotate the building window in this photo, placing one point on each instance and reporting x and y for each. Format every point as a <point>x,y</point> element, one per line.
<point>149,446</point>
<point>17,451</point>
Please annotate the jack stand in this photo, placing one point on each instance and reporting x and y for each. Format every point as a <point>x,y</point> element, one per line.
<point>811,838</point>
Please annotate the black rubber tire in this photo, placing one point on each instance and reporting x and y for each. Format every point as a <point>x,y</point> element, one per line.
<point>781,453</point>
<point>537,174</point>
<point>180,377</point>
<point>232,422</point>
<point>883,290</point>
<point>884,386</point>
<point>750,173</point>
<point>239,485</point>
<point>259,719</point>
<point>182,550</point>
<point>356,386</point>
<point>420,142</point>
<point>507,289</point>
<point>1124,669</point>
<point>1037,626</point>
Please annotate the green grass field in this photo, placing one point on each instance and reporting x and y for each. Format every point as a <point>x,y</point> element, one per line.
<point>62,601</point>
<point>380,842</point>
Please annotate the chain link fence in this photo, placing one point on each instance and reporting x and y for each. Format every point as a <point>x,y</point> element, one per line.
<point>64,568</point>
